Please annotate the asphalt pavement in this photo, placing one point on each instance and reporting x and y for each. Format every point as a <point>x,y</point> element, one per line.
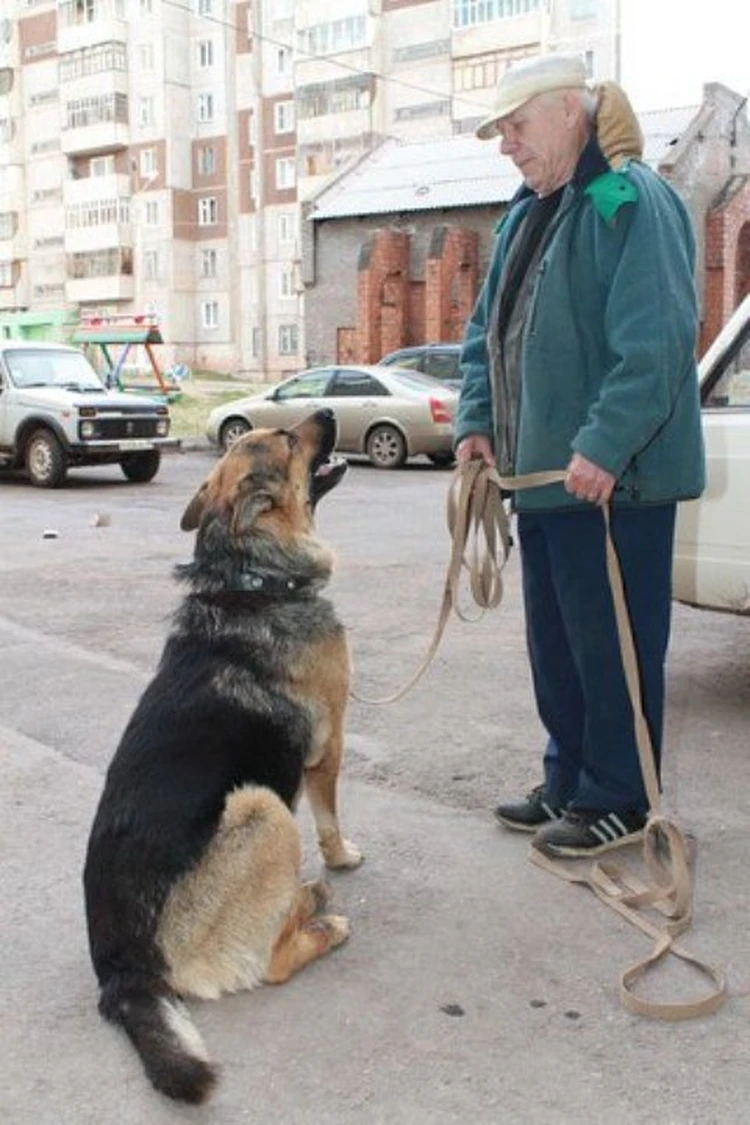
<point>475,988</point>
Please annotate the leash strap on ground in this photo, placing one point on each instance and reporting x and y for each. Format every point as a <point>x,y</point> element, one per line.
<point>479,529</point>
<point>665,848</point>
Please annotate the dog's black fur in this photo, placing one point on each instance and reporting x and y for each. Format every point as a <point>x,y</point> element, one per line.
<point>215,717</point>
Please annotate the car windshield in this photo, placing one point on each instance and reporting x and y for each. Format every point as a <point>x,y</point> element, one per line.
<point>38,367</point>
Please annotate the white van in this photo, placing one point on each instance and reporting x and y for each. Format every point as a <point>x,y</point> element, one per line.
<point>712,545</point>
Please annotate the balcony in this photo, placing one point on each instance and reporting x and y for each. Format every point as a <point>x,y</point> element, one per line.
<point>86,23</point>
<point>119,287</point>
<point>100,275</point>
<point>95,123</point>
<point>101,136</point>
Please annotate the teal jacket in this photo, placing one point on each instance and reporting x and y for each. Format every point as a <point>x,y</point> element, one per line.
<point>608,354</point>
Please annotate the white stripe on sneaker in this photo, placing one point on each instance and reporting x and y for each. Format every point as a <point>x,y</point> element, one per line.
<point>601,836</point>
<point>618,824</point>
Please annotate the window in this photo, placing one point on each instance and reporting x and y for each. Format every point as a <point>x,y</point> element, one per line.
<point>206,53</point>
<point>146,55</point>
<point>583,9</point>
<point>283,60</point>
<point>336,35</point>
<point>350,383</point>
<point>205,7</point>
<point>208,210</point>
<point>210,314</point>
<point>102,166</point>
<point>255,344</point>
<point>148,162</point>
<point>93,60</point>
<point>337,96</point>
<point>206,160</point>
<point>146,7</point>
<point>205,108</point>
<point>6,274</point>
<point>286,175</point>
<point>311,385</point>
<point>145,111</point>
<point>286,281</point>
<point>288,346</point>
<point>470,13</point>
<point>151,265</point>
<point>729,387</point>
<point>283,117</point>
<point>151,213</point>
<point>92,111</point>
<point>208,263</point>
<point>252,129</point>
<point>286,227</point>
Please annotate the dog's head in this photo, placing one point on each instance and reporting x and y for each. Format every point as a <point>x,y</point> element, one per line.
<point>271,479</point>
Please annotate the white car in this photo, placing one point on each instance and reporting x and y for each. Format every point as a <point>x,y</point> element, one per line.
<point>712,543</point>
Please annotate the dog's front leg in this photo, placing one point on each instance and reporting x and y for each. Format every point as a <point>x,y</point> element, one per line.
<point>320,785</point>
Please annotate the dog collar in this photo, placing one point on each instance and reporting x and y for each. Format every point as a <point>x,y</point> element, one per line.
<point>254,583</point>
<point>272,585</point>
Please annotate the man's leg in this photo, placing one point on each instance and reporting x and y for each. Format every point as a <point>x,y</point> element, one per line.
<point>557,687</point>
<point>610,775</point>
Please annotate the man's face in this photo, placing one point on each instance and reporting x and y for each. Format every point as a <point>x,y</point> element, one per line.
<point>538,139</point>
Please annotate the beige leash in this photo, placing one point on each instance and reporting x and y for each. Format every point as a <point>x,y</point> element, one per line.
<point>478,520</point>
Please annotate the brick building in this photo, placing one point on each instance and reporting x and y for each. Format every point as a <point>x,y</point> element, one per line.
<point>395,250</point>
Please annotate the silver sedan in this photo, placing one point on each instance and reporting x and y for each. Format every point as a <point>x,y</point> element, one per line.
<point>388,414</point>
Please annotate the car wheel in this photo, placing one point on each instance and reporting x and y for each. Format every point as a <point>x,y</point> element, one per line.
<point>442,460</point>
<point>141,467</point>
<point>386,447</point>
<point>232,430</point>
<point>46,463</point>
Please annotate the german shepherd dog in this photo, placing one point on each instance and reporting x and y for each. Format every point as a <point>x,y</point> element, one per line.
<point>192,875</point>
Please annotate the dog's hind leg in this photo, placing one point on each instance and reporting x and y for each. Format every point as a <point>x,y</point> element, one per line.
<point>320,786</point>
<point>221,921</point>
<point>304,938</point>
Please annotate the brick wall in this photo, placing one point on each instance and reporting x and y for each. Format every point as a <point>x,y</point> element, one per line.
<point>727,259</point>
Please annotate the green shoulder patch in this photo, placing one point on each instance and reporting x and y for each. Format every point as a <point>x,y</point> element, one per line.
<point>609,191</point>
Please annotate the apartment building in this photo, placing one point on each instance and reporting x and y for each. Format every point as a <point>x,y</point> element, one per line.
<point>154,154</point>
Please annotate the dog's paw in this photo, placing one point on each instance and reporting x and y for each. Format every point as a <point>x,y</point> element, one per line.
<point>340,853</point>
<point>336,926</point>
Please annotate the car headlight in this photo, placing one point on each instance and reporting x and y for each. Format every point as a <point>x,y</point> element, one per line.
<point>87,429</point>
<point>162,427</point>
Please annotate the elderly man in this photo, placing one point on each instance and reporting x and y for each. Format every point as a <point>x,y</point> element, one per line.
<point>580,355</point>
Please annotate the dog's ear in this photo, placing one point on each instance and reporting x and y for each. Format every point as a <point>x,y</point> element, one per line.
<point>191,517</point>
<point>247,509</point>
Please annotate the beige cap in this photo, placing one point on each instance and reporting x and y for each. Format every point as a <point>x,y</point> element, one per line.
<point>526,79</point>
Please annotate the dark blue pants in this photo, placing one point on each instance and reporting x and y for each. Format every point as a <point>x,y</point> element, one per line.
<point>591,760</point>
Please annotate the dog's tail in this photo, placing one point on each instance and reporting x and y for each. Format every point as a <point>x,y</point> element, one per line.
<point>159,1026</point>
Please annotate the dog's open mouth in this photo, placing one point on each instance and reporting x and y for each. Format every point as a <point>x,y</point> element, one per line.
<point>326,474</point>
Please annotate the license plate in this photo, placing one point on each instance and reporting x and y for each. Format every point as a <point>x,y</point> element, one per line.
<point>135,443</point>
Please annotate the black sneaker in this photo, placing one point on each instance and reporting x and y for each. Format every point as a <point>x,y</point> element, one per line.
<point>529,814</point>
<point>583,832</point>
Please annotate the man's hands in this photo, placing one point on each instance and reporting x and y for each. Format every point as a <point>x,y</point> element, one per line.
<point>475,445</point>
<point>587,481</point>
<point>584,479</point>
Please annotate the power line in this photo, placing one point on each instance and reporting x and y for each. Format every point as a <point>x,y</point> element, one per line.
<point>442,94</point>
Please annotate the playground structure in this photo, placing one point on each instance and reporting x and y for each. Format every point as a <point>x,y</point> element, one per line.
<point>115,337</point>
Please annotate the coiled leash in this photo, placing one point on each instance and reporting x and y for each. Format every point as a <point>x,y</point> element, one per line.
<point>478,523</point>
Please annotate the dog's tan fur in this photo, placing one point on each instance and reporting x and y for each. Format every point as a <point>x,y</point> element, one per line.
<point>237,912</point>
